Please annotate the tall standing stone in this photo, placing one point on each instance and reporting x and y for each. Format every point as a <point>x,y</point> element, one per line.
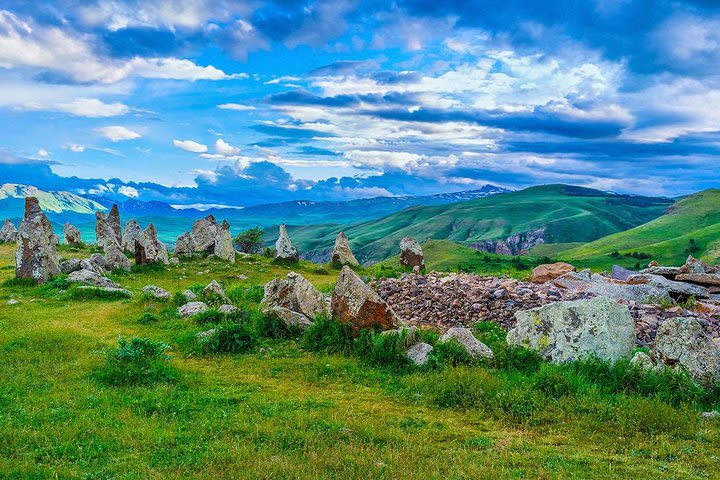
<point>411,254</point>
<point>103,231</point>
<point>184,246</point>
<point>224,244</point>
<point>356,303</point>
<point>35,255</point>
<point>204,232</point>
<point>342,253</point>
<point>113,220</point>
<point>131,232</point>
<point>72,234</point>
<point>284,249</point>
<point>8,232</point>
<point>148,249</point>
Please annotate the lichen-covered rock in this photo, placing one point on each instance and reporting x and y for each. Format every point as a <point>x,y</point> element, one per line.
<point>174,261</point>
<point>465,337</point>
<point>156,292</point>
<point>342,253</point>
<point>189,295</point>
<point>192,308</point>
<point>550,271</point>
<point>148,249</point>
<point>419,353</point>
<point>113,221</point>
<point>8,232</point>
<point>621,273</point>
<point>103,230</point>
<point>569,331</point>
<point>184,246</point>
<point>224,243</point>
<point>644,361</point>
<point>682,341</point>
<point>72,234</point>
<point>411,254</point>
<point>290,318</point>
<point>693,265</point>
<point>115,258</point>
<point>70,265</point>
<point>214,292</point>
<point>204,232</point>
<point>117,290</point>
<point>669,287</point>
<point>131,232</point>
<point>356,303</point>
<point>88,277</point>
<point>227,308</point>
<point>284,249</point>
<point>35,255</point>
<point>295,293</point>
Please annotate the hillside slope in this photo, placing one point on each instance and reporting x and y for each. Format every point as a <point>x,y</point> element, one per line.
<point>12,201</point>
<point>516,220</point>
<point>667,238</point>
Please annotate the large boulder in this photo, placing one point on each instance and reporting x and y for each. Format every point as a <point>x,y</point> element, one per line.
<point>569,331</point>
<point>411,253</point>
<point>70,265</point>
<point>342,253</point>
<point>8,232</point>
<point>191,309</point>
<point>683,342</point>
<point>474,347</point>
<point>290,318</point>
<point>204,232</point>
<point>88,277</point>
<point>115,258</point>
<point>224,248</point>
<point>35,255</point>
<point>284,249</point>
<point>296,294</point>
<point>148,249</point>
<point>550,271</point>
<point>184,246</point>
<point>356,303</point>
<point>693,265</point>
<point>131,232</point>
<point>72,234</point>
<point>676,290</point>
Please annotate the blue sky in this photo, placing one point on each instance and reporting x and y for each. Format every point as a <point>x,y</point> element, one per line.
<point>235,103</point>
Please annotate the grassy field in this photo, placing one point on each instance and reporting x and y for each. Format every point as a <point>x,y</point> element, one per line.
<point>280,411</point>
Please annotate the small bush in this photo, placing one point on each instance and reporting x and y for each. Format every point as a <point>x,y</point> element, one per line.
<point>250,241</point>
<point>178,299</point>
<point>96,293</point>
<point>251,294</point>
<point>384,349</point>
<point>209,316</point>
<point>230,338</point>
<point>137,361</point>
<point>196,288</point>
<point>461,387</point>
<point>328,336</point>
<point>270,326</point>
<point>148,317</point>
<point>448,354</point>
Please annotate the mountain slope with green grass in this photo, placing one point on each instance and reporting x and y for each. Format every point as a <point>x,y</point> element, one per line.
<point>563,213</point>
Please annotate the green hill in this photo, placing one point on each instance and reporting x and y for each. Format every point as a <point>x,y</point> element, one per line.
<point>692,225</point>
<point>565,213</point>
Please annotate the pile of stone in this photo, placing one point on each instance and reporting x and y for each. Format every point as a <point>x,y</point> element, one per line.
<point>693,272</point>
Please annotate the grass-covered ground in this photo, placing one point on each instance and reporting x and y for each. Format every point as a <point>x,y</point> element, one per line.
<point>286,408</point>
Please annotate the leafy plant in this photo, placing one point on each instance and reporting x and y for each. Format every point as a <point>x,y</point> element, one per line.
<point>230,338</point>
<point>137,361</point>
<point>250,241</point>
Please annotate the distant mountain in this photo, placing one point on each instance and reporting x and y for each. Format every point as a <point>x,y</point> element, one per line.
<point>13,195</point>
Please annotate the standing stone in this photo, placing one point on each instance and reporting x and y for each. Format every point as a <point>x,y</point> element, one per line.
<point>113,220</point>
<point>224,243</point>
<point>355,303</point>
<point>131,232</point>
<point>35,255</point>
<point>284,249</point>
<point>103,230</point>
<point>148,249</point>
<point>8,232</point>
<point>296,294</point>
<point>342,253</point>
<point>72,234</point>
<point>204,232</point>
<point>682,341</point>
<point>411,254</point>
<point>115,258</point>
<point>184,246</point>
<point>568,331</point>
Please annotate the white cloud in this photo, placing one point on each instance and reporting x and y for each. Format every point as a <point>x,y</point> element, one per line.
<point>83,107</point>
<point>225,148</point>
<point>176,69</point>
<point>74,147</point>
<point>236,106</point>
<point>118,133</point>
<point>42,153</point>
<point>190,146</point>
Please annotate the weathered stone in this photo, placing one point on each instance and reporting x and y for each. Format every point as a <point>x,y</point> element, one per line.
<point>97,261</point>
<point>669,272</point>
<point>148,249</point>
<point>290,318</point>
<point>342,253</point>
<point>185,245</point>
<point>355,303</point>
<point>284,249</point>
<point>295,293</point>
<point>122,291</point>
<point>115,258</point>
<point>70,265</point>
<point>472,345</point>
<point>693,265</point>
<point>72,234</point>
<point>682,341</point>
<point>88,277</point>
<point>189,295</point>
<point>711,415</point>
<point>224,248</point>
<point>418,354</point>
<point>8,232</point>
<point>174,261</point>
<point>156,292</point>
<point>192,308</point>
<point>130,234</point>
<point>227,308</point>
<point>113,221</point>
<point>642,360</point>
<point>673,288</point>
<point>204,232</point>
<point>214,291</point>
<point>411,253</point>
<point>103,231</point>
<point>621,273</point>
<point>699,278</point>
<point>569,331</point>
<point>35,255</point>
<point>550,271</point>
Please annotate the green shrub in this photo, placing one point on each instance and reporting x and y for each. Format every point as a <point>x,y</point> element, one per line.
<point>230,338</point>
<point>387,349</point>
<point>137,361</point>
<point>178,299</point>
<point>250,241</point>
<point>196,288</point>
<point>96,293</point>
<point>209,316</point>
<point>553,381</point>
<point>148,318</point>
<point>270,326</point>
<point>462,387</point>
<point>250,294</point>
<point>448,354</point>
<point>328,336</point>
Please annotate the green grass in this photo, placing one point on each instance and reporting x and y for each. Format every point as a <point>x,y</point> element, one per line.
<point>277,410</point>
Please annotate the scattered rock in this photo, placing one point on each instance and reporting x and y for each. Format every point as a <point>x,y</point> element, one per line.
<point>174,261</point>
<point>550,271</point>
<point>214,292</point>
<point>670,287</point>
<point>568,331</point>
<point>148,249</point>
<point>411,254</point>
<point>8,232</point>
<point>12,301</point>
<point>708,279</point>
<point>124,292</point>
<point>72,234</point>
<point>192,308</point>
<point>189,295</point>
<point>295,293</point>
<point>227,308</point>
<point>35,255</point>
<point>204,336</point>
<point>130,234</point>
<point>70,265</point>
<point>224,243</point>
<point>342,253</point>
<point>356,303</point>
<point>204,232</point>
<point>156,292</point>
<point>290,318</point>
<point>185,245</point>
<point>115,258</point>
<point>418,354</point>
<point>710,415</point>
<point>682,341</point>
<point>621,273</point>
<point>472,345</point>
<point>89,277</point>
<point>284,249</point>
<point>642,360</point>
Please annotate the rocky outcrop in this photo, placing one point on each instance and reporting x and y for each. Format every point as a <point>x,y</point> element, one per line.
<point>72,234</point>
<point>569,331</point>
<point>411,253</point>
<point>184,246</point>
<point>89,277</point>
<point>620,273</point>
<point>115,258</point>
<point>676,290</point>
<point>357,304</point>
<point>682,342</point>
<point>113,221</point>
<point>342,253</point>
<point>284,249</point>
<point>419,353</point>
<point>204,232</point>
<point>224,248</point>
<point>516,244</point>
<point>464,336</point>
<point>191,309</point>
<point>35,255</point>
<point>296,294</point>
<point>550,271</point>
<point>131,232</point>
<point>148,249</point>
<point>8,232</point>
<point>103,232</point>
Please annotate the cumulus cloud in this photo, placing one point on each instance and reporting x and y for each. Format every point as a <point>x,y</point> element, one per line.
<point>236,106</point>
<point>117,133</point>
<point>224,148</point>
<point>190,146</point>
<point>83,107</point>
<point>42,153</point>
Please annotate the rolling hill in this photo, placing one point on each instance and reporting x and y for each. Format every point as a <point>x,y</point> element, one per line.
<point>513,221</point>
